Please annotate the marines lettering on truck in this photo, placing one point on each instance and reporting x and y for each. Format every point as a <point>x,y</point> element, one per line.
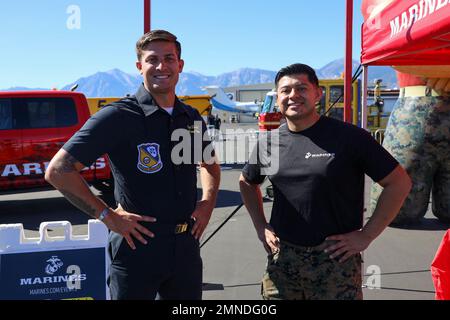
<point>26,169</point>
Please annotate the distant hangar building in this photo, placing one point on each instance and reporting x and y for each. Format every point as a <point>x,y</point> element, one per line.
<point>252,92</point>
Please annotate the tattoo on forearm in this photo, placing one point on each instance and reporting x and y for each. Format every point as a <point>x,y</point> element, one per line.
<point>66,164</point>
<point>79,203</point>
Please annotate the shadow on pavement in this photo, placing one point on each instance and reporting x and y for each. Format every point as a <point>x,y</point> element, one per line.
<point>228,198</point>
<point>212,286</point>
<point>430,224</point>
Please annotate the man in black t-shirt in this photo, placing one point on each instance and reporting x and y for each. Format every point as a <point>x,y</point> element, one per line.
<point>155,179</point>
<point>317,166</point>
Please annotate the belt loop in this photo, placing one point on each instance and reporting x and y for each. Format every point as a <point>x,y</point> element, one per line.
<point>428,92</point>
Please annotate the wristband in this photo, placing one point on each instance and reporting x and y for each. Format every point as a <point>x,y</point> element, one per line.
<point>103,214</point>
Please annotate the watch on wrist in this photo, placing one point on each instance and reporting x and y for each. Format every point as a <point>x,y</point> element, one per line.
<point>103,214</point>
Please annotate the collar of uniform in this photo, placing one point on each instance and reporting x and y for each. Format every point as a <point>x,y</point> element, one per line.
<point>149,106</point>
<point>178,108</point>
<point>145,100</point>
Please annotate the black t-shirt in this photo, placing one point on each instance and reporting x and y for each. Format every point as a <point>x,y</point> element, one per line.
<point>319,185</point>
<point>136,134</point>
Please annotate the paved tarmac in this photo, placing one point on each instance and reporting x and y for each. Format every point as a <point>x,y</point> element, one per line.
<point>234,259</point>
<point>396,265</point>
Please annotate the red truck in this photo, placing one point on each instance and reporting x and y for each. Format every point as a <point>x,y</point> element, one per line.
<point>33,127</point>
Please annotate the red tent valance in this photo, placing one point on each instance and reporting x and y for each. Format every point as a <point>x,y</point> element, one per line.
<point>408,32</point>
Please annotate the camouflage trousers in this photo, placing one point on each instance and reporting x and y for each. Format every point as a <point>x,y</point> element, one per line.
<point>418,136</point>
<point>308,273</point>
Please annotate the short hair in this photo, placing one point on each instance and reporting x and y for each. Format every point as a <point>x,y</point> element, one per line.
<point>156,35</point>
<point>297,68</point>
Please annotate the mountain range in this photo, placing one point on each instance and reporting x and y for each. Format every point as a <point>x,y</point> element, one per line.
<point>115,82</point>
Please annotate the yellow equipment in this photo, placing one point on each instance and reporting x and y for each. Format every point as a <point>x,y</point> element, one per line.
<point>199,102</point>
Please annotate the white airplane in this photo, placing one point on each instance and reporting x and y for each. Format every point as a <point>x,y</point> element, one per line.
<point>220,100</point>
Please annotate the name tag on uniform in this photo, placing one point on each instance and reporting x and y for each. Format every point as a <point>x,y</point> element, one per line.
<point>193,128</point>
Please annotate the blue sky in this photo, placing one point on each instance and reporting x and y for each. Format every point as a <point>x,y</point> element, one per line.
<point>39,50</point>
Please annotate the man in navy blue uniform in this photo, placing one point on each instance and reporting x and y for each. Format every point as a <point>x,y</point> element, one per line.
<point>155,177</point>
<point>316,231</point>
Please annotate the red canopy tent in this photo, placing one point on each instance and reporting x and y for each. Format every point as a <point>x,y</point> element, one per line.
<point>408,32</point>
<point>404,33</point>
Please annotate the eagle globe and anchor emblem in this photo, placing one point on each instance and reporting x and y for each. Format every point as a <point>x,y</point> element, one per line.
<point>149,159</point>
<point>54,263</point>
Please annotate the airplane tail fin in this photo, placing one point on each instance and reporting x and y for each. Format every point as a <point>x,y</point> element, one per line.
<point>219,97</point>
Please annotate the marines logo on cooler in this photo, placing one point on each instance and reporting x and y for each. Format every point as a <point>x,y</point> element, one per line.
<point>54,263</point>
